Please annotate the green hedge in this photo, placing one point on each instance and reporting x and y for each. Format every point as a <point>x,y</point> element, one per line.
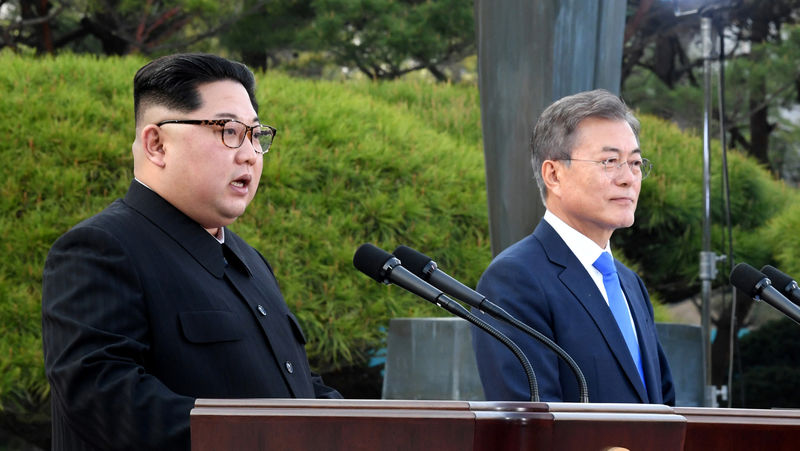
<point>387,163</point>
<point>397,163</point>
<point>391,164</point>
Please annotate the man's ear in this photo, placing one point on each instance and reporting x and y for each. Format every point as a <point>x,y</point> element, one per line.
<point>551,175</point>
<point>153,144</point>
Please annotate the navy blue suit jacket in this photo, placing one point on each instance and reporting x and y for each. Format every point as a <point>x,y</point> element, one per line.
<point>140,316</point>
<point>539,281</point>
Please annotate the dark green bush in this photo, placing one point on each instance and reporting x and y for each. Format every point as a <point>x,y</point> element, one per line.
<point>770,374</point>
<point>386,163</point>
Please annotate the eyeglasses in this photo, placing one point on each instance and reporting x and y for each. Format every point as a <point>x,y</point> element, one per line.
<point>613,167</point>
<point>234,132</point>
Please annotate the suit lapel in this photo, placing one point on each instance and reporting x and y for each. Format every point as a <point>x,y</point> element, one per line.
<point>580,284</point>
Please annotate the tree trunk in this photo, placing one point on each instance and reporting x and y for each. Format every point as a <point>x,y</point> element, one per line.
<point>759,124</point>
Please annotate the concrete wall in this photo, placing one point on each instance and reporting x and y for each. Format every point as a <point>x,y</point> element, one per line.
<point>432,358</point>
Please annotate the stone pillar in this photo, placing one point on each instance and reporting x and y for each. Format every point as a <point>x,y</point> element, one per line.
<point>430,358</point>
<point>531,53</point>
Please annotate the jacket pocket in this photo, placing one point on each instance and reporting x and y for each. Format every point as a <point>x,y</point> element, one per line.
<point>210,326</point>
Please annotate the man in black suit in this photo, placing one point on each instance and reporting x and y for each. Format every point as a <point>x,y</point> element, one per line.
<point>154,302</point>
<point>562,279</point>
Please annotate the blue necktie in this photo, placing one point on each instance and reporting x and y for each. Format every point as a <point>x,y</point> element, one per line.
<point>616,301</point>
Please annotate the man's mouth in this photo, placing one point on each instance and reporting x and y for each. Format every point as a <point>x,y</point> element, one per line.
<point>241,182</point>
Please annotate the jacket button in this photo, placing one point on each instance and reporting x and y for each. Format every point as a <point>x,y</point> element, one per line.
<point>262,310</point>
<point>289,367</point>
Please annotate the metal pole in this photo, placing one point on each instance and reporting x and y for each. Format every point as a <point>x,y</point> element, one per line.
<point>707,257</point>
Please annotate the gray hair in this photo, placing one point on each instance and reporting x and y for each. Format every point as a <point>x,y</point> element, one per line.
<point>553,136</point>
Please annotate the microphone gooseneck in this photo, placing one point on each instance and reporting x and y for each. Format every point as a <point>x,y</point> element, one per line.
<point>386,268</point>
<point>425,268</point>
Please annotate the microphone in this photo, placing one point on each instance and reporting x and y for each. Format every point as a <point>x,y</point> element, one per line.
<point>780,279</point>
<point>759,287</point>
<point>386,268</point>
<point>425,268</point>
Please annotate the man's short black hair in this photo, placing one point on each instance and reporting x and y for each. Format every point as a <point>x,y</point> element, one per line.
<point>172,81</point>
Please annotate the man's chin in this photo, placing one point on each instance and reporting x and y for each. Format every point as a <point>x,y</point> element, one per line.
<point>233,210</point>
<point>225,219</point>
<point>628,223</point>
<point>625,221</point>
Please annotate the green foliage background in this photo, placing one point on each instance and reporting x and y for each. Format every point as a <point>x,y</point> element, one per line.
<point>396,163</point>
<point>666,239</point>
<point>353,162</point>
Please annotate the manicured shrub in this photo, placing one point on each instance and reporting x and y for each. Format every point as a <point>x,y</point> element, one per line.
<point>391,164</point>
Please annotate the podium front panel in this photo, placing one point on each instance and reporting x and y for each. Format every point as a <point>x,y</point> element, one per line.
<point>271,424</point>
<point>710,429</point>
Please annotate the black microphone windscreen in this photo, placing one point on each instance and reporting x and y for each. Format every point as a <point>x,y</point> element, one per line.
<point>369,259</point>
<point>778,277</point>
<point>412,260</point>
<point>746,278</point>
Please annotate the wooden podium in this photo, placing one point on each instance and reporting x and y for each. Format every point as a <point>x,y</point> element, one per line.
<point>317,424</point>
<point>309,424</point>
<point>740,429</point>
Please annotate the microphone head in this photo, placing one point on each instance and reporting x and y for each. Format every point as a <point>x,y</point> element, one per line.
<point>748,279</point>
<point>370,259</point>
<point>778,278</point>
<point>412,260</point>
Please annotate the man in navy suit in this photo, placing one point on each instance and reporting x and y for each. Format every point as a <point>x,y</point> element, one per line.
<point>589,169</point>
<point>154,302</point>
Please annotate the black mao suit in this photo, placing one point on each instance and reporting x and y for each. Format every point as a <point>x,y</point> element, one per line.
<point>143,311</point>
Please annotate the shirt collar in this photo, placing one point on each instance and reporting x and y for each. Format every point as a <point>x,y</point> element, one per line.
<point>584,248</point>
